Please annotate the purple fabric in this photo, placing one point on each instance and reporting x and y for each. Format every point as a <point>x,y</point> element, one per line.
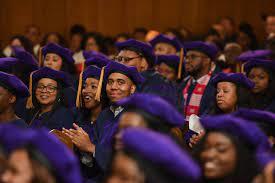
<point>58,76</point>
<point>129,71</point>
<point>156,106</point>
<point>268,64</point>
<point>206,48</point>
<point>170,60</point>
<point>97,61</point>
<point>14,85</point>
<point>259,54</point>
<point>256,115</point>
<point>237,78</point>
<point>244,130</point>
<point>145,49</point>
<point>165,39</point>
<point>89,54</point>
<point>11,136</point>
<point>7,63</point>
<point>25,58</point>
<point>61,158</point>
<point>59,50</point>
<point>264,157</point>
<point>162,151</point>
<point>91,72</point>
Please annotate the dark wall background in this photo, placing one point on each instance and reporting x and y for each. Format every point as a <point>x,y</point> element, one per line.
<point>114,16</point>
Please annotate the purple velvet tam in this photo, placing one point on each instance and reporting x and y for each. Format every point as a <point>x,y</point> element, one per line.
<point>139,47</point>
<point>236,78</point>
<point>170,60</point>
<point>91,72</point>
<point>25,58</point>
<point>264,119</point>
<point>12,137</point>
<point>59,76</point>
<point>155,106</point>
<point>161,151</point>
<point>65,53</point>
<point>89,54</point>
<point>165,39</point>
<point>209,49</point>
<point>244,130</point>
<point>129,71</point>
<point>267,64</point>
<point>13,85</point>
<point>97,61</point>
<point>259,54</point>
<point>7,63</point>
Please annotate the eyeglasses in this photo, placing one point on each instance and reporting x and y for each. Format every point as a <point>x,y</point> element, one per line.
<point>125,59</point>
<point>194,57</point>
<point>48,88</point>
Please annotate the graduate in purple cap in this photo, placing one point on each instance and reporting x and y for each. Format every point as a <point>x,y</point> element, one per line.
<point>152,112</point>
<point>164,45</point>
<point>227,152</point>
<point>97,61</point>
<point>168,66</point>
<point>21,64</point>
<point>140,55</point>
<point>58,58</point>
<point>232,92</point>
<point>42,157</point>
<point>255,54</point>
<point>265,120</point>
<point>47,105</point>
<point>120,82</point>
<point>87,112</point>
<point>261,72</point>
<point>12,89</point>
<point>149,157</point>
<point>195,92</point>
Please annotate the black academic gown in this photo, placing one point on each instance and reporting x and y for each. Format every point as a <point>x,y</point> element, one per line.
<point>105,129</point>
<point>89,173</point>
<point>19,122</point>
<point>158,85</point>
<point>56,119</point>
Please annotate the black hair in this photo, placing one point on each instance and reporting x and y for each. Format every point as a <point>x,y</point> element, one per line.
<point>68,67</point>
<point>99,39</point>
<point>243,99</point>
<point>177,33</point>
<point>26,43</point>
<point>124,35</point>
<point>77,29</point>
<point>140,29</point>
<point>262,100</point>
<point>61,40</point>
<point>247,29</point>
<point>246,165</point>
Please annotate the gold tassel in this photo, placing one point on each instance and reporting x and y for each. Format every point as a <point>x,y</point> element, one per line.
<point>99,87</point>
<point>242,68</point>
<point>78,102</point>
<point>181,63</point>
<point>29,104</point>
<point>40,57</point>
<point>238,67</point>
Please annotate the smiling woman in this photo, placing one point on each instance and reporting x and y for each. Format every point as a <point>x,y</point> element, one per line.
<point>49,106</point>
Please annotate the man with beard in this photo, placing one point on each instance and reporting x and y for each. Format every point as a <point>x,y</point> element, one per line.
<point>195,92</point>
<point>141,55</point>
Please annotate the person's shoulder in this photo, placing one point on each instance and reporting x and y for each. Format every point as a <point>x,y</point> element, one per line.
<point>20,123</point>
